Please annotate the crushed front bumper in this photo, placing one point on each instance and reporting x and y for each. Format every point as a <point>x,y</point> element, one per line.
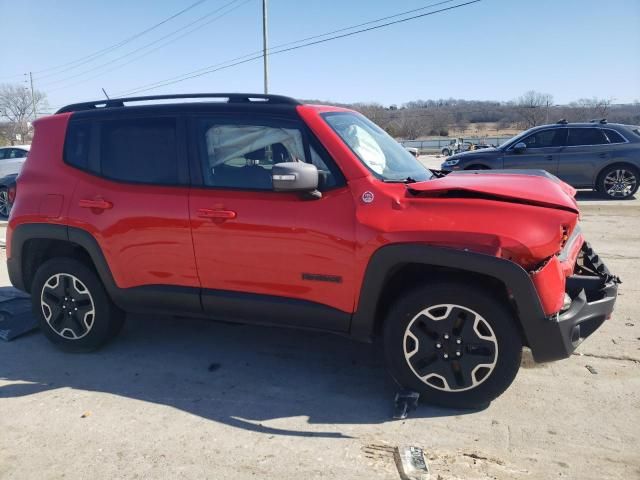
<point>592,290</point>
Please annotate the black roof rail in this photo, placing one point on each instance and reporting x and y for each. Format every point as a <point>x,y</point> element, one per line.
<point>598,120</point>
<point>231,98</point>
<point>562,121</point>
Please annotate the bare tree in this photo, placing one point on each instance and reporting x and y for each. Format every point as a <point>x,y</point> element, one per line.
<point>534,107</point>
<point>586,109</point>
<point>16,107</point>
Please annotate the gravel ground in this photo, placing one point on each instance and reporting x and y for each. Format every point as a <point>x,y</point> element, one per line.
<point>174,398</point>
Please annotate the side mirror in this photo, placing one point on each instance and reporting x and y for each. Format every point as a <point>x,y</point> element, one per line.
<point>294,177</point>
<point>520,147</point>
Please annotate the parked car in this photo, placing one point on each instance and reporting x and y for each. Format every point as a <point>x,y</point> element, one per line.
<point>12,158</point>
<point>600,156</point>
<point>460,145</point>
<point>263,210</point>
<point>7,194</point>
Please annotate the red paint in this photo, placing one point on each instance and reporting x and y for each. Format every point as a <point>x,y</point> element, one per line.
<point>262,242</point>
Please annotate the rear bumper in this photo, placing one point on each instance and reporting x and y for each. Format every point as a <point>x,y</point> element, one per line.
<point>593,291</point>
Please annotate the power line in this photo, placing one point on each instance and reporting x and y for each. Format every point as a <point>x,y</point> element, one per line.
<point>83,60</point>
<point>150,44</point>
<point>248,55</point>
<point>215,68</point>
<point>116,67</point>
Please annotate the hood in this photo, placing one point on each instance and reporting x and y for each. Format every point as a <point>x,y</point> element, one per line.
<point>532,187</point>
<point>481,151</point>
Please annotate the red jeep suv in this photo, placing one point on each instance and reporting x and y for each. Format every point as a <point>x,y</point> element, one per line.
<point>255,208</point>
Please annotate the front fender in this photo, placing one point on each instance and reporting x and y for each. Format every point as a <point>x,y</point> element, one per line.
<point>537,328</point>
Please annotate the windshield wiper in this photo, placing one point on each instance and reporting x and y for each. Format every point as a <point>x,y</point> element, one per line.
<point>405,180</point>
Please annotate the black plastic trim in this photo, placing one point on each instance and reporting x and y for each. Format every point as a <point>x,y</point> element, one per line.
<point>387,260</point>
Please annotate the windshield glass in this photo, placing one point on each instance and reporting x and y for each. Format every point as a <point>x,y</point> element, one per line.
<point>513,140</point>
<point>381,154</point>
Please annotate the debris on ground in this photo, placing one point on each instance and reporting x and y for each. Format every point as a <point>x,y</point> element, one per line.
<point>411,463</point>
<point>16,317</point>
<point>592,370</point>
<point>86,414</point>
<point>405,401</point>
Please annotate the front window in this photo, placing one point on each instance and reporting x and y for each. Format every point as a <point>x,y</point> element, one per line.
<point>381,154</point>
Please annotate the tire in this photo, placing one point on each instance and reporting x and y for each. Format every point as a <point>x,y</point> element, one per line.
<point>5,209</point>
<point>446,152</point>
<point>618,182</point>
<point>65,285</point>
<point>488,336</point>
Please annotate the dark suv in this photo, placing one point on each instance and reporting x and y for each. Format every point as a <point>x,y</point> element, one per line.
<point>598,155</point>
<point>263,210</point>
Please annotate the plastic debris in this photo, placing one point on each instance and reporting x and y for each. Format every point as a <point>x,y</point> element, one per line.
<point>411,463</point>
<point>405,401</point>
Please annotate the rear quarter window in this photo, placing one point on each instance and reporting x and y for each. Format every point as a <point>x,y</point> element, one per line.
<point>76,148</point>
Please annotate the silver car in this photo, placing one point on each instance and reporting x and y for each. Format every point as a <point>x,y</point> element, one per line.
<point>597,155</point>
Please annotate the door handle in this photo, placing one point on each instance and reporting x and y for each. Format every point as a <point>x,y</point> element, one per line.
<point>97,203</point>
<point>217,214</point>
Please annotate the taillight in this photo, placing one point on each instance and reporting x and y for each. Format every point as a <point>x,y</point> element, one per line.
<point>11,193</point>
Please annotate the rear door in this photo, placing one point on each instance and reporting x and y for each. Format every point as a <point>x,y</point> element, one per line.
<point>587,150</point>
<point>274,257</point>
<point>543,148</point>
<point>132,196</point>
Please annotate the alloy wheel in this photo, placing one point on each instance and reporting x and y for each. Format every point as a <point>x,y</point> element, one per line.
<point>450,347</point>
<point>4,203</point>
<point>67,306</point>
<point>620,183</point>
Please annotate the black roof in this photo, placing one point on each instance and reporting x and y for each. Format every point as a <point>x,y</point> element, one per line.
<point>233,98</point>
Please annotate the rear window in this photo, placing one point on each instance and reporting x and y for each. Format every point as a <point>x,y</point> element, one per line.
<point>614,137</point>
<point>140,150</point>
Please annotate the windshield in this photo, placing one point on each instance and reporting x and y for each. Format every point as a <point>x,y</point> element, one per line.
<point>513,140</point>
<point>381,154</point>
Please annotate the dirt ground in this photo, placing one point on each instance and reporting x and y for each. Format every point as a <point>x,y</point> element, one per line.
<point>174,398</point>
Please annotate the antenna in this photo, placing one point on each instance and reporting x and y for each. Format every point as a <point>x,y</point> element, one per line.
<point>105,94</point>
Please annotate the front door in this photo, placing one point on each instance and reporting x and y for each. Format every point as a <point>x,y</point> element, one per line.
<point>268,256</point>
<point>543,149</point>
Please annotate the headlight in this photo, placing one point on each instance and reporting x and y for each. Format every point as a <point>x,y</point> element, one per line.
<point>450,163</point>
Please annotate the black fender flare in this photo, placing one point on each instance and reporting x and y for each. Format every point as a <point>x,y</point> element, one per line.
<point>537,328</point>
<point>133,299</point>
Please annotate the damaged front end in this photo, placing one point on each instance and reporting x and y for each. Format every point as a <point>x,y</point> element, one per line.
<point>590,295</point>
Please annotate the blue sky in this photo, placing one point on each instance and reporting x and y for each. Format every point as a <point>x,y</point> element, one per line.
<point>495,49</point>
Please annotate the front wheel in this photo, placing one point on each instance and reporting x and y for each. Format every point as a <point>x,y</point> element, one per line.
<point>453,343</point>
<point>618,181</point>
<point>73,308</point>
<point>446,152</point>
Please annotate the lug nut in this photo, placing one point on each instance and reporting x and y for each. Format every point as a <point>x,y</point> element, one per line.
<point>446,356</point>
<point>446,337</point>
<point>458,341</point>
<point>76,309</point>
<point>438,345</point>
<point>64,306</point>
<point>458,354</point>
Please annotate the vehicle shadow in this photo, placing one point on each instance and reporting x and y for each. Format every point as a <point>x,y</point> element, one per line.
<point>238,375</point>
<point>591,195</point>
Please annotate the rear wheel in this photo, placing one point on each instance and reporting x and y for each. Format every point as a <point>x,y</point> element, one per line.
<point>446,152</point>
<point>454,344</point>
<point>73,308</point>
<point>619,181</point>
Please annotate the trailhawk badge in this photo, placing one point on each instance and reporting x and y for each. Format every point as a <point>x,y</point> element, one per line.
<point>367,197</point>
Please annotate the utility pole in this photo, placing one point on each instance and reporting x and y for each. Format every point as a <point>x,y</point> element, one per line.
<point>265,46</point>
<point>33,98</point>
